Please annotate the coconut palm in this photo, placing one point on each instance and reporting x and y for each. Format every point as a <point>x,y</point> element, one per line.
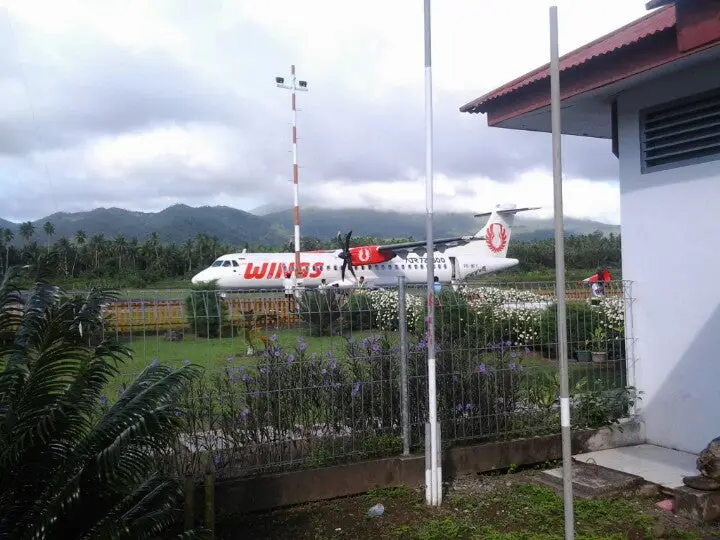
<point>49,230</point>
<point>27,230</point>
<point>72,466</point>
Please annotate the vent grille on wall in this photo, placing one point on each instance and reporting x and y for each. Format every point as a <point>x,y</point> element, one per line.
<point>681,132</point>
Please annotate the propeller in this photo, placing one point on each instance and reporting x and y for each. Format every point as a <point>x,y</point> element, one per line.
<point>345,254</point>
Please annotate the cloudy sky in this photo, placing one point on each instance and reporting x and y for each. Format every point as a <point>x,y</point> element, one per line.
<point>144,103</point>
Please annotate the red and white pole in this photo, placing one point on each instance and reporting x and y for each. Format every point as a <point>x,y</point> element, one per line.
<point>295,86</point>
<point>296,194</point>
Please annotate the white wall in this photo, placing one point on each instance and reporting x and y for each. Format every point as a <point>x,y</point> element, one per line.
<point>671,251</point>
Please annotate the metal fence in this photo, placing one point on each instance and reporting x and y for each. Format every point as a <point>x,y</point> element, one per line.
<point>332,376</point>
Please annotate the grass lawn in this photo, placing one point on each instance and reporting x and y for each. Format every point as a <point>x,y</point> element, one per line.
<point>213,354</point>
<point>487,507</point>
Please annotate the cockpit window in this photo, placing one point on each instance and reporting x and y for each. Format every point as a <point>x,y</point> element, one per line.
<point>235,263</point>
<point>217,263</point>
<point>226,263</point>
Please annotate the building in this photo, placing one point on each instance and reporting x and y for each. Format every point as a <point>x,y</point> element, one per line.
<point>652,89</point>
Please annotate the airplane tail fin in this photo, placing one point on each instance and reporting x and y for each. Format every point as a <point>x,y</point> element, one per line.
<point>498,229</point>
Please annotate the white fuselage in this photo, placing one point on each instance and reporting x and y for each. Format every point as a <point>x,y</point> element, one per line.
<point>268,270</point>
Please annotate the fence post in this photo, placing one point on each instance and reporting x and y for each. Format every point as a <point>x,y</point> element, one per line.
<point>402,323</point>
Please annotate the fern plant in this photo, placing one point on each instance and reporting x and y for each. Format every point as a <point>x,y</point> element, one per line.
<point>71,467</point>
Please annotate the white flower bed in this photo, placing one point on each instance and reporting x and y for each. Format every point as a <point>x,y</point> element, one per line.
<point>519,310</point>
<point>480,296</point>
<point>612,315</point>
<point>385,305</point>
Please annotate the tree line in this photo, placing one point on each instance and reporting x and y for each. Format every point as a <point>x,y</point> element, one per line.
<point>131,262</point>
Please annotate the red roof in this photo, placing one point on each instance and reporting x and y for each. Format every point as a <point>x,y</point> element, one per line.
<point>662,19</point>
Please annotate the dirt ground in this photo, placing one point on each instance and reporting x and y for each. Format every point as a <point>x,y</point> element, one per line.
<point>488,507</point>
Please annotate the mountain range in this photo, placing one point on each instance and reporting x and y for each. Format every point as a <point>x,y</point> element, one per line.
<point>268,226</point>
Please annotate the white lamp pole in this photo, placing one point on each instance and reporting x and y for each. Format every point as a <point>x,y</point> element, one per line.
<point>433,476</point>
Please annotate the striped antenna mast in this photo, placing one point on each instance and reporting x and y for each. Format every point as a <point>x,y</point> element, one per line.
<point>294,86</point>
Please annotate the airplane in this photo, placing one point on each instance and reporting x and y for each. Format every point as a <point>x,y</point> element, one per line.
<point>455,260</point>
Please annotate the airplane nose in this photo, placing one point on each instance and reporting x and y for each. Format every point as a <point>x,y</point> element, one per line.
<point>196,279</point>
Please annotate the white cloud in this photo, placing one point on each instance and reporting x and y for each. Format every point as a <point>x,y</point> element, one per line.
<point>582,199</point>
<point>142,104</point>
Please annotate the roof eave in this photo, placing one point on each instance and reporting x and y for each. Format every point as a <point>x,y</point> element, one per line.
<point>654,4</point>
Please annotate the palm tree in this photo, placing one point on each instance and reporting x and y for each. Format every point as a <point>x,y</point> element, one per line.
<point>27,230</point>
<point>49,229</point>
<point>8,237</point>
<point>188,250</point>
<point>120,247</point>
<point>65,248</point>
<point>80,238</point>
<point>97,243</point>
<point>71,465</point>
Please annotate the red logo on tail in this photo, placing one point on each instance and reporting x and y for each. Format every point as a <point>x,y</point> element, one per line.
<point>496,237</point>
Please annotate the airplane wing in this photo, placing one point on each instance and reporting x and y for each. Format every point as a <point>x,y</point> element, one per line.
<point>423,243</point>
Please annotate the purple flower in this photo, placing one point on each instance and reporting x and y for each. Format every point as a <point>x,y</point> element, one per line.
<point>482,368</point>
<point>217,460</point>
<point>264,371</point>
<point>178,413</point>
<point>234,378</point>
<point>469,407</point>
<point>356,389</point>
<point>231,359</point>
<point>299,339</point>
<point>324,371</point>
<point>302,347</point>
<point>375,347</point>
<point>154,362</point>
<point>103,400</point>
<point>246,377</point>
<point>273,338</point>
<point>245,413</point>
<point>333,364</point>
<point>290,358</point>
<point>186,362</point>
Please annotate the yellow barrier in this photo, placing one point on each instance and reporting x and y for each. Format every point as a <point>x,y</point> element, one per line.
<point>163,315</point>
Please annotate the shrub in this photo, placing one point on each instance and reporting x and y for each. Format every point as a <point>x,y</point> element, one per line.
<point>581,320</point>
<point>72,465</point>
<point>324,311</point>
<point>384,304</point>
<point>207,313</point>
<point>361,315</point>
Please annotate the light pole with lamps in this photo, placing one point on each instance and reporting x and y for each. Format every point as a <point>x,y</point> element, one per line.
<point>294,86</point>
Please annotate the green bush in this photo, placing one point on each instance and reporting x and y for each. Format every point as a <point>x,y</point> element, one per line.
<point>206,312</point>
<point>73,464</point>
<point>360,313</point>
<point>581,320</point>
<point>323,311</point>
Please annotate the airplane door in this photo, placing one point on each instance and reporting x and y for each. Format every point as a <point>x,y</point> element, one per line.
<point>453,267</point>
